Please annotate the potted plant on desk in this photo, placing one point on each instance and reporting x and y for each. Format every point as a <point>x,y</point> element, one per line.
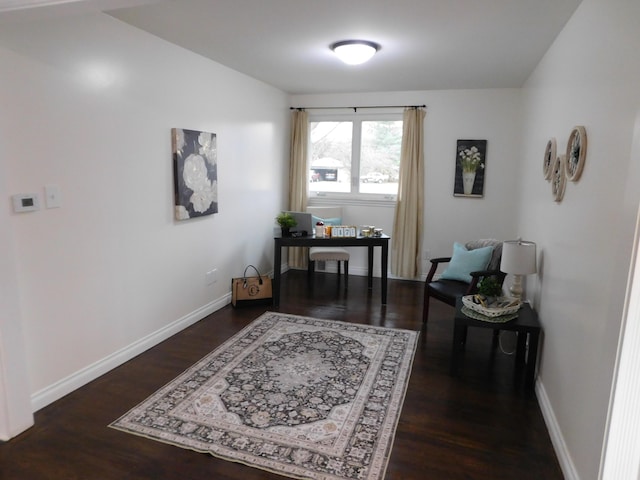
<point>286,221</point>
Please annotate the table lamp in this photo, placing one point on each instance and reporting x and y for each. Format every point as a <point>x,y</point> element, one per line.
<point>518,259</point>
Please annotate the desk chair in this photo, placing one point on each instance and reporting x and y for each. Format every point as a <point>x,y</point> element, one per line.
<point>329,216</point>
<point>328,254</point>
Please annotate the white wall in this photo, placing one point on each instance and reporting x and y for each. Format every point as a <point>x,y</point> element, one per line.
<point>88,104</point>
<point>493,115</point>
<point>111,266</point>
<point>589,77</point>
<point>15,409</point>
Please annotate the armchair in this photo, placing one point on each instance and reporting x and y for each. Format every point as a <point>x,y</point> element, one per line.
<point>462,282</point>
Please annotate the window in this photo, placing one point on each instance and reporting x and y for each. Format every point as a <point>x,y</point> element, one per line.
<point>355,154</point>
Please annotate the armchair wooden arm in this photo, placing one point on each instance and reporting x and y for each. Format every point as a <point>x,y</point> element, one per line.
<point>434,266</point>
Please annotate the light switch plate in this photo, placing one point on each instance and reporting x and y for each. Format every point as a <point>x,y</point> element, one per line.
<point>52,196</point>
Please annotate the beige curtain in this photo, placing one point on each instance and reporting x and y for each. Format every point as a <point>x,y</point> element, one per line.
<point>298,177</point>
<point>407,225</point>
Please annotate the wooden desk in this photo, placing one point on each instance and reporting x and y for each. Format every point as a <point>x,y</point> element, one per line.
<point>526,325</point>
<point>312,241</point>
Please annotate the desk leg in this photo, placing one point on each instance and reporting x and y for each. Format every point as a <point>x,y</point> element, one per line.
<point>532,359</point>
<point>370,268</point>
<point>277,265</point>
<point>384,264</point>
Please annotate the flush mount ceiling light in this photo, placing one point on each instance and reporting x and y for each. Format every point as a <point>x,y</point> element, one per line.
<point>355,52</point>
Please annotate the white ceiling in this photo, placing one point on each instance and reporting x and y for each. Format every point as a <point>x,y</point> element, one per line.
<point>426,44</point>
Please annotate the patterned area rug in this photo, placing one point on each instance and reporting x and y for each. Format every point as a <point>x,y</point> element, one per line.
<point>299,396</point>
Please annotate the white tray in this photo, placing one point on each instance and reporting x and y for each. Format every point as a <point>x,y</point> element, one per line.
<point>504,306</point>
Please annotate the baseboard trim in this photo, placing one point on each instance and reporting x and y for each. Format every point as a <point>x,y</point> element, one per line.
<point>559,445</point>
<point>54,392</point>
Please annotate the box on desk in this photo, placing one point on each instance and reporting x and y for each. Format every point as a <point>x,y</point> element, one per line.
<point>344,231</point>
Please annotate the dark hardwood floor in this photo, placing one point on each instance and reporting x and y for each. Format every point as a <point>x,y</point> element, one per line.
<point>479,425</point>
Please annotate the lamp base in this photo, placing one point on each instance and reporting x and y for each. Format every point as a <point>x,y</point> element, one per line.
<point>516,288</point>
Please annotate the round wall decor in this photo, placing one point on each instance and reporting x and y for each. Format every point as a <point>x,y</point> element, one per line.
<point>549,158</point>
<point>576,153</point>
<point>558,178</point>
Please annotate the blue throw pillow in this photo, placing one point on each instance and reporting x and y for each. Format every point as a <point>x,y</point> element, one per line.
<point>464,261</point>
<point>327,221</point>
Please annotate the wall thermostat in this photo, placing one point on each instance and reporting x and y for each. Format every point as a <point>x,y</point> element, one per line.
<point>25,202</point>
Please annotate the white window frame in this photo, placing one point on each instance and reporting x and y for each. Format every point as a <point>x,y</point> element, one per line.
<point>354,197</point>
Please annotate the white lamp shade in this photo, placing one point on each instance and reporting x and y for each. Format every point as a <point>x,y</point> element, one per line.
<point>354,52</point>
<point>518,257</point>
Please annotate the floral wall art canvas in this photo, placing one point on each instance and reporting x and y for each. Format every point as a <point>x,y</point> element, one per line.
<point>195,171</point>
<point>471,162</point>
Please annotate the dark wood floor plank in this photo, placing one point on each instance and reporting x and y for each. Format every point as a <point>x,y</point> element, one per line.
<point>479,425</point>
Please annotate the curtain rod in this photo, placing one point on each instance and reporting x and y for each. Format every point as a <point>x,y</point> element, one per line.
<point>355,109</point>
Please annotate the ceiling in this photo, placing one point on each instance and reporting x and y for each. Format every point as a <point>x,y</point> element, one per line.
<point>426,44</point>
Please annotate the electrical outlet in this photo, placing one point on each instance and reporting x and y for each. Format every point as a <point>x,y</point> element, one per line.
<point>426,255</point>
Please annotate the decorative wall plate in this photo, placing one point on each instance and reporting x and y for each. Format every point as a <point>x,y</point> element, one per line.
<point>558,178</point>
<point>549,158</point>
<point>576,153</point>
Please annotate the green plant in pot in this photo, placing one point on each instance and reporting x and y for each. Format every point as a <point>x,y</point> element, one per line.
<point>286,221</point>
<point>490,288</point>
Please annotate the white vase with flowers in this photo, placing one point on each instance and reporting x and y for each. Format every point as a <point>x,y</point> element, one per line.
<point>470,161</point>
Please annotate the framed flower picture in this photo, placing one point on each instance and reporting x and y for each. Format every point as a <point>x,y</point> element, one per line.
<point>576,153</point>
<point>195,171</point>
<point>471,162</point>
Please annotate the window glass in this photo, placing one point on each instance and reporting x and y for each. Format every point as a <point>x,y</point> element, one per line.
<point>380,156</point>
<point>330,156</point>
<point>355,155</point>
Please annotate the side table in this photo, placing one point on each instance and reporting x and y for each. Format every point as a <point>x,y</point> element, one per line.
<point>526,325</point>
